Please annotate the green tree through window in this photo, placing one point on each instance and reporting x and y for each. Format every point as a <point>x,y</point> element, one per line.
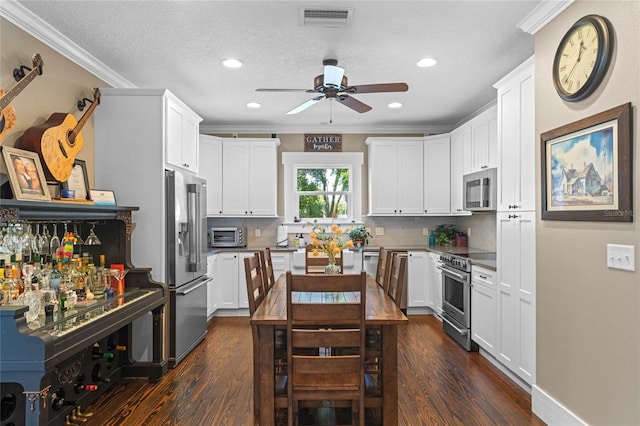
<point>322,192</point>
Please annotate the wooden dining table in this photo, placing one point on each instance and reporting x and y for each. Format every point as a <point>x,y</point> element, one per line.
<point>381,312</point>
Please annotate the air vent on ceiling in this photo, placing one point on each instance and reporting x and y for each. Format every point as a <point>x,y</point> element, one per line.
<point>314,16</point>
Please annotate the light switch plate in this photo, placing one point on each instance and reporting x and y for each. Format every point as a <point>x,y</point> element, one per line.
<point>425,231</point>
<point>621,257</point>
<point>379,231</point>
<point>258,232</point>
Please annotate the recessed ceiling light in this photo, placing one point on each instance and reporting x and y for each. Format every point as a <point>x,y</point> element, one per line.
<point>253,105</point>
<point>427,62</point>
<point>232,63</point>
<point>395,105</point>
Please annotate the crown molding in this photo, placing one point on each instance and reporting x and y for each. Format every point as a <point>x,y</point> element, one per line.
<point>359,129</point>
<point>542,15</point>
<point>23,18</point>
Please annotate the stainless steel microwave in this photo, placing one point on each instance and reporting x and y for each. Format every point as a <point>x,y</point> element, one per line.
<point>232,236</point>
<point>480,190</point>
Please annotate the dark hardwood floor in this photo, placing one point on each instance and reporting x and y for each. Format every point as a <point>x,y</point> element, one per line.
<point>439,384</point>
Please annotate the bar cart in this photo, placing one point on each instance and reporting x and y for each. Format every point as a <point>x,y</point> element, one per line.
<point>50,370</point>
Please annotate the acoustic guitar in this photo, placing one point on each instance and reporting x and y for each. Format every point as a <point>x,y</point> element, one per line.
<point>58,140</point>
<point>7,112</point>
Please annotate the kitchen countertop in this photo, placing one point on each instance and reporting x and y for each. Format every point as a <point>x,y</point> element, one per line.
<point>460,251</point>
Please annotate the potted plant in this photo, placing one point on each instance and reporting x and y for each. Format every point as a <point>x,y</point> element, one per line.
<point>360,236</point>
<point>445,234</point>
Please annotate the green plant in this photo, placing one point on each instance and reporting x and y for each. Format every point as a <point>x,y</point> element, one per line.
<point>360,233</point>
<point>445,233</point>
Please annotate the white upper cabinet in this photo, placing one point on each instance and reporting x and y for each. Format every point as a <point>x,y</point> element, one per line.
<point>182,135</point>
<point>437,175</point>
<point>210,169</point>
<point>516,139</point>
<point>396,182</point>
<point>250,177</point>
<point>484,140</point>
<point>460,165</point>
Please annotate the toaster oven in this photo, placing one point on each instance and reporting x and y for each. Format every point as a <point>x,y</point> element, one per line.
<point>232,236</point>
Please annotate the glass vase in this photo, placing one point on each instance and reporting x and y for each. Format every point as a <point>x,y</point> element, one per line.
<point>331,269</point>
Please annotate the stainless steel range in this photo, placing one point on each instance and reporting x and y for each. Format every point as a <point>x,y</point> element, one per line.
<point>456,299</point>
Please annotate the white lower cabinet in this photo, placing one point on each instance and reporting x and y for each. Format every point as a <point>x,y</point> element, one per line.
<point>417,279</point>
<point>484,308</point>
<point>212,288</point>
<point>516,282</point>
<point>434,281</point>
<point>232,284</point>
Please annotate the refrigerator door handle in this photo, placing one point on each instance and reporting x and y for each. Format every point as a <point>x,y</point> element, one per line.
<point>195,227</point>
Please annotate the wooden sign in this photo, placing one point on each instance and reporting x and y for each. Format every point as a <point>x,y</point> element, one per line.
<point>322,143</point>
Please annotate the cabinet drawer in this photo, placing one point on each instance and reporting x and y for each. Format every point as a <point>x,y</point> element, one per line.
<point>483,276</point>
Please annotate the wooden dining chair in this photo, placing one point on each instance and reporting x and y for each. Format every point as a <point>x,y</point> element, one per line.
<point>397,277</point>
<point>327,313</point>
<point>383,270</point>
<point>315,264</point>
<point>267,269</point>
<point>255,284</point>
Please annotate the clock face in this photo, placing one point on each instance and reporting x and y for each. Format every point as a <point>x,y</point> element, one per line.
<point>582,58</point>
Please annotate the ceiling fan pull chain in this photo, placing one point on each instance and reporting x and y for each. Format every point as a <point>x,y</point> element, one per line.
<point>331,111</point>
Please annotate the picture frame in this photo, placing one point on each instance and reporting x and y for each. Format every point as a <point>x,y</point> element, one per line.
<point>103,197</point>
<point>78,180</point>
<point>26,176</point>
<point>587,169</point>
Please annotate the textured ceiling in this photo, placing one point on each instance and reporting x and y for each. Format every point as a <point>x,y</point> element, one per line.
<point>179,45</point>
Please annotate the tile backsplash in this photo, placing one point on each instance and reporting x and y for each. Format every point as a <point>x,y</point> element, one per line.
<point>398,230</point>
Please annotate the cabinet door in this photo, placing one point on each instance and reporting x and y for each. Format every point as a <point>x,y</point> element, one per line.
<point>227,280</point>
<point>211,171</point>
<point>410,187</point>
<point>243,296</point>
<point>263,178</point>
<point>460,164</point>
<point>281,263</point>
<point>435,284</point>
<point>383,178</point>
<point>212,290</point>
<point>417,285</point>
<point>516,292</point>
<point>484,140</point>
<point>516,142</point>
<point>182,136</point>
<point>175,120</point>
<point>235,177</point>
<point>191,142</point>
<point>437,175</point>
<point>484,327</point>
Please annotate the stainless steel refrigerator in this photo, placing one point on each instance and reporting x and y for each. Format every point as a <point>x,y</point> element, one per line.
<point>186,262</point>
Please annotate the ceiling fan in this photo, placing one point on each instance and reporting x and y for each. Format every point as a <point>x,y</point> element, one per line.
<point>333,85</point>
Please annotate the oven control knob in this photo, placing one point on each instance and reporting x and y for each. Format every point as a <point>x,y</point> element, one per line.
<point>463,264</point>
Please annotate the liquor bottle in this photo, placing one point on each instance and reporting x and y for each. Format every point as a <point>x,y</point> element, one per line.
<point>55,277</point>
<point>96,353</point>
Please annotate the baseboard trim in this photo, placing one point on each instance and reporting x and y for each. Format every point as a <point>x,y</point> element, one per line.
<point>551,411</point>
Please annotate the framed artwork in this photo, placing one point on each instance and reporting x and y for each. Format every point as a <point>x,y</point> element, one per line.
<point>78,180</point>
<point>102,197</point>
<point>586,168</point>
<point>26,175</point>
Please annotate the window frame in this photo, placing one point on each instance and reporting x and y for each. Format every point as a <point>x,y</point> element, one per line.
<point>292,161</point>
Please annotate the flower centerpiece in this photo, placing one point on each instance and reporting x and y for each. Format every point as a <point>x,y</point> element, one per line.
<point>329,242</point>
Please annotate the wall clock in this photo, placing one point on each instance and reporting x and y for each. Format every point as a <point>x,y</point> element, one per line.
<point>582,58</point>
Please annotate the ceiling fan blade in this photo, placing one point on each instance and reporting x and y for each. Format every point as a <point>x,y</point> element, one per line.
<point>284,90</point>
<point>306,105</point>
<point>353,103</point>
<point>377,88</point>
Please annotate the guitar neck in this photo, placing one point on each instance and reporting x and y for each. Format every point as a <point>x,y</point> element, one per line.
<point>15,90</point>
<point>83,120</point>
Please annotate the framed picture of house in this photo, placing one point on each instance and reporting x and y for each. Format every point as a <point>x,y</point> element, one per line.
<point>586,168</point>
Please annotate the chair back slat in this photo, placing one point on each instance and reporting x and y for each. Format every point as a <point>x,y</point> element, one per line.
<point>397,277</point>
<point>384,268</point>
<point>255,285</point>
<point>267,269</point>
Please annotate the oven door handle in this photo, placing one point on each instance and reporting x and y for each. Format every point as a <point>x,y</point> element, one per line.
<point>462,331</point>
<point>454,274</point>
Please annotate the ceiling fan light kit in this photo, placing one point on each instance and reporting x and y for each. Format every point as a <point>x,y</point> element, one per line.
<point>333,84</point>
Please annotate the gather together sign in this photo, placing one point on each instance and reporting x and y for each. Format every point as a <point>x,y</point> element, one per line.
<point>322,143</point>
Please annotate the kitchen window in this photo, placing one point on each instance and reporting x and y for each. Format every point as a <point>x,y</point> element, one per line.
<point>323,186</point>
